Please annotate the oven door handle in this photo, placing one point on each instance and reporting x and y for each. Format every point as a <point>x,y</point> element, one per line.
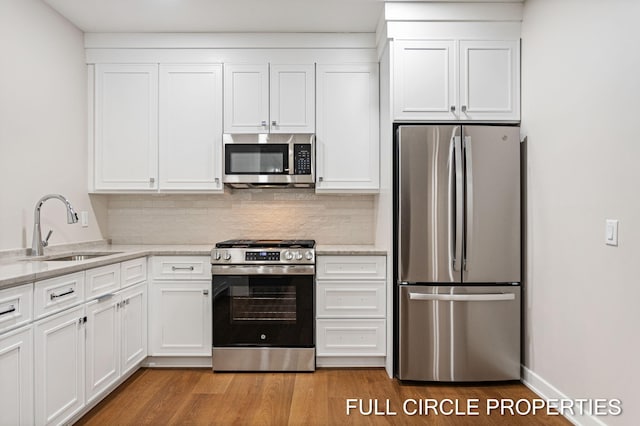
<point>263,269</point>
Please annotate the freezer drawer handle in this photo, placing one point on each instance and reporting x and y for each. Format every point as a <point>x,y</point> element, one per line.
<point>463,297</point>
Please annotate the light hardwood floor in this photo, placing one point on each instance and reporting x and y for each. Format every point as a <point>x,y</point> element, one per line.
<point>201,397</point>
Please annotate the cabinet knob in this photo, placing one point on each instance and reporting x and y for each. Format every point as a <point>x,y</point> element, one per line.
<point>320,178</point>
<point>152,180</point>
<point>273,123</point>
<point>205,292</point>
<point>453,108</point>
<point>464,108</point>
<point>263,123</point>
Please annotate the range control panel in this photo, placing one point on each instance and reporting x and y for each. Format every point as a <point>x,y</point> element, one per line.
<point>302,159</point>
<point>262,255</point>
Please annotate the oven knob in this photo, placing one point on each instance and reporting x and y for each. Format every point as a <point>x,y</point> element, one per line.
<point>298,255</point>
<point>288,255</point>
<point>216,255</point>
<point>308,255</point>
<point>227,255</point>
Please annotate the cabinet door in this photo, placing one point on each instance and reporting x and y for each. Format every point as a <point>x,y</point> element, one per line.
<point>16,371</point>
<point>126,127</point>
<point>425,80</point>
<point>246,98</point>
<point>190,127</point>
<point>490,80</point>
<point>180,318</point>
<point>102,345</point>
<point>133,317</point>
<point>59,366</point>
<point>347,137</point>
<point>292,102</point>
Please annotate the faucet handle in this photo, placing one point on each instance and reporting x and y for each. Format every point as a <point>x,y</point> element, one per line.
<point>46,240</point>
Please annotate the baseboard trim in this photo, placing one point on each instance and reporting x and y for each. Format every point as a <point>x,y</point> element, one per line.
<point>547,391</point>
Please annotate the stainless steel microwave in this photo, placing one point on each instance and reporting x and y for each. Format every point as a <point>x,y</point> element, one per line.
<point>269,160</point>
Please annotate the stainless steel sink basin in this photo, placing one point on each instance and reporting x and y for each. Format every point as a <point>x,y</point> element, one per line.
<point>77,256</point>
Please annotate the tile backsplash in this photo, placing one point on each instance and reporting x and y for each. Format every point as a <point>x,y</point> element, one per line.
<point>206,219</point>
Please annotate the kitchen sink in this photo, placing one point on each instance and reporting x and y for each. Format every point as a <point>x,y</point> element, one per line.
<point>67,257</point>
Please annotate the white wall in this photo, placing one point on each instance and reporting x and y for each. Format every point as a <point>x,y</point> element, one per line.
<point>580,109</point>
<point>43,149</point>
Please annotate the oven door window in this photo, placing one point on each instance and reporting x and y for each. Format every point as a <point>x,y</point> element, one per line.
<point>256,159</point>
<point>263,310</point>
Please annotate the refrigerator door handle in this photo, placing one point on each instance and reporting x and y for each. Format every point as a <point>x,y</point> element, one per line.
<point>459,212</point>
<point>468,163</point>
<point>463,297</point>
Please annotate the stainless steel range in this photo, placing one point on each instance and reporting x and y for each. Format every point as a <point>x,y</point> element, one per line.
<point>263,305</point>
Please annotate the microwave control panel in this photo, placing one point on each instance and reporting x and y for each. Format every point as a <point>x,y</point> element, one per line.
<point>302,159</point>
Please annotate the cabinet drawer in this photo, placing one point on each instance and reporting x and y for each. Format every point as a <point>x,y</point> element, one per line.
<point>351,267</point>
<point>181,267</point>
<point>359,299</point>
<point>56,294</point>
<point>348,337</point>
<point>103,280</point>
<point>16,306</point>
<point>133,271</point>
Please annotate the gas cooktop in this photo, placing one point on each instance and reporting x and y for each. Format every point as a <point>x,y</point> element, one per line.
<point>266,244</point>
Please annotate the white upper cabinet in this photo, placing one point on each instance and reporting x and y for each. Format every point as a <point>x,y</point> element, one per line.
<point>246,98</point>
<point>425,80</point>
<point>157,128</point>
<point>126,127</point>
<point>263,99</point>
<point>347,135</point>
<point>292,103</point>
<point>190,127</point>
<point>456,80</point>
<point>489,80</point>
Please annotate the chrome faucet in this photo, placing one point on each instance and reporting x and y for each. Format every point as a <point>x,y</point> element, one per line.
<point>38,244</point>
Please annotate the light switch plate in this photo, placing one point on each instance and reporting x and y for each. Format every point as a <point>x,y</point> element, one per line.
<point>611,232</point>
<point>84,219</point>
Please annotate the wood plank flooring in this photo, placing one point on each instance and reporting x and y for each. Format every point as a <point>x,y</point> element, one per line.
<point>201,397</point>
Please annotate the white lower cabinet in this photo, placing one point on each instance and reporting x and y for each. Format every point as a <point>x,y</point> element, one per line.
<point>102,345</point>
<point>351,311</point>
<point>116,338</point>
<point>180,318</point>
<point>59,343</point>
<point>133,327</point>
<point>16,377</point>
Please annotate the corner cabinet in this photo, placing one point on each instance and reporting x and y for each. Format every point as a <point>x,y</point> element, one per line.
<point>156,127</point>
<point>272,98</point>
<point>438,80</point>
<point>347,129</point>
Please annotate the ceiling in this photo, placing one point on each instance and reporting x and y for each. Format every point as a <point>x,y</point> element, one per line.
<point>221,15</point>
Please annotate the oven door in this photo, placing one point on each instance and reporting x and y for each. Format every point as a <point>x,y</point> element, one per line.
<point>260,309</point>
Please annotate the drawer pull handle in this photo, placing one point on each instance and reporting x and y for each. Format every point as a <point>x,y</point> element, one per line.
<point>12,308</point>
<point>182,268</point>
<point>105,297</point>
<point>55,296</point>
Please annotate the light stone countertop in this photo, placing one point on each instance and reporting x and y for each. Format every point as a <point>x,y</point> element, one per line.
<point>352,250</point>
<point>20,269</point>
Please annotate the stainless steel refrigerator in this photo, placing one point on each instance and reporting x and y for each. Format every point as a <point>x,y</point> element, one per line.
<point>457,191</point>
